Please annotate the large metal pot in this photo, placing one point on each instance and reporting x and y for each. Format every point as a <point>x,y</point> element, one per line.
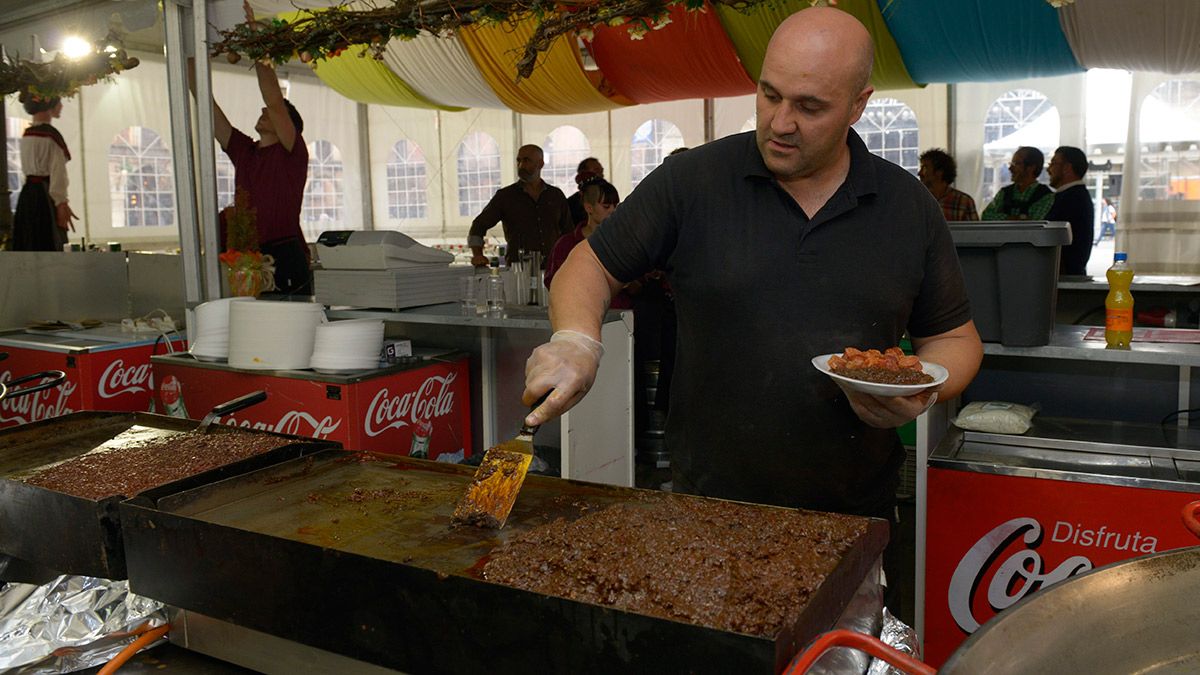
<point>1136,616</point>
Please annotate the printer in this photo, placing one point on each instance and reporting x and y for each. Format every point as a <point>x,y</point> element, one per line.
<point>383,269</point>
<point>375,250</point>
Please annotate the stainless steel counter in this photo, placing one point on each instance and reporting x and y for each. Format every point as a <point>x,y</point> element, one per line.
<point>451,314</point>
<point>1066,342</point>
<point>99,339</point>
<point>595,438</point>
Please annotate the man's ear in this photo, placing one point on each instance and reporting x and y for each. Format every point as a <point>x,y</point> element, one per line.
<point>860,103</point>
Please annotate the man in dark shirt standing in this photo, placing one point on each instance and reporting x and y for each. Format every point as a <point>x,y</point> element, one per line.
<point>780,245</point>
<point>1072,203</point>
<point>534,213</point>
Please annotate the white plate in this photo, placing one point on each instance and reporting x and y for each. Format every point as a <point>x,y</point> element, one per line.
<point>939,374</point>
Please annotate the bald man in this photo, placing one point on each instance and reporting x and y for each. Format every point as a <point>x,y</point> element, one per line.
<point>533,213</point>
<point>780,245</point>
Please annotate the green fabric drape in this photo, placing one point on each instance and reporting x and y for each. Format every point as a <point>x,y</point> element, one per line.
<point>751,30</point>
<point>365,79</point>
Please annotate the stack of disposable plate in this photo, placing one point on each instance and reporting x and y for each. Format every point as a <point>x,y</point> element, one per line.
<point>345,346</point>
<point>210,335</point>
<point>267,335</point>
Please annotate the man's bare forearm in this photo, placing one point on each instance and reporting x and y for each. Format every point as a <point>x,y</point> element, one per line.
<point>581,293</point>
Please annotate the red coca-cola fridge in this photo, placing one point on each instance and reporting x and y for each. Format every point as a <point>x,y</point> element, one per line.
<point>106,370</point>
<point>421,409</point>
<point>1009,515</point>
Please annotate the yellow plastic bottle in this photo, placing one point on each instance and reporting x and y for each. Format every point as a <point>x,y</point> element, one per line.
<point>1118,306</point>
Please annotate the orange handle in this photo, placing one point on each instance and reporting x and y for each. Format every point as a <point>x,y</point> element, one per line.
<point>1191,517</point>
<point>861,642</point>
<point>134,647</point>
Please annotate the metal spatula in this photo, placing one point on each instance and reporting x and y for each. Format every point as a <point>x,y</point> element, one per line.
<point>493,490</point>
<point>239,403</point>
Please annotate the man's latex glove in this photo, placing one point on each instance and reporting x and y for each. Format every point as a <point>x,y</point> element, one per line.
<point>567,364</point>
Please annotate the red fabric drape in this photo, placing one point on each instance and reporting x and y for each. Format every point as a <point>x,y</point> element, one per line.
<point>691,57</point>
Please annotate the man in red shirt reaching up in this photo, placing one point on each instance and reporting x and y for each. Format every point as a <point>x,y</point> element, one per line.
<point>273,171</point>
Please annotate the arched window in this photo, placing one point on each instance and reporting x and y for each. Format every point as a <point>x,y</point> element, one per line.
<point>478,172</point>
<point>888,127</point>
<point>14,127</point>
<point>407,184</point>
<point>1019,117</point>
<point>140,182</point>
<point>652,142</point>
<point>565,148</point>
<point>323,194</point>
<point>225,185</point>
<point>1169,129</point>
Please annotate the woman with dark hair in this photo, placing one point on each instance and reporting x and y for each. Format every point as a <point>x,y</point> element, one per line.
<point>587,169</point>
<point>599,198</point>
<point>43,216</point>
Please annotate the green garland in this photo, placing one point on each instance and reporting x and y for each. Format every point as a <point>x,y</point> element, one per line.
<point>62,76</point>
<point>321,34</point>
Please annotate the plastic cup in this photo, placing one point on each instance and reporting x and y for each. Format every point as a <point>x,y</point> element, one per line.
<point>469,294</point>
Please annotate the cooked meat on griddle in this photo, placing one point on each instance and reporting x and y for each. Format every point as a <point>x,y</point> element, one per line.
<point>725,565</point>
<point>131,469</point>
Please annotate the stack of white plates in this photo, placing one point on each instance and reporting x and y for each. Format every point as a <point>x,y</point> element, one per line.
<point>344,346</point>
<point>210,334</point>
<point>267,335</point>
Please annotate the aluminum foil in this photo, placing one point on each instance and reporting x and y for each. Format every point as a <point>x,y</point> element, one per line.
<point>899,636</point>
<point>863,615</point>
<point>70,623</point>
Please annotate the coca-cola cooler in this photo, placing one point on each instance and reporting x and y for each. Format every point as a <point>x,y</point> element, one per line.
<point>1009,515</point>
<point>106,369</point>
<point>421,409</point>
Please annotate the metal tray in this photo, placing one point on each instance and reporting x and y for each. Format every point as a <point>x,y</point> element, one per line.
<point>284,551</point>
<point>49,530</point>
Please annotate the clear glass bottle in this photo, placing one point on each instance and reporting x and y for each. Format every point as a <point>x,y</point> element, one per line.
<point>495,290</point>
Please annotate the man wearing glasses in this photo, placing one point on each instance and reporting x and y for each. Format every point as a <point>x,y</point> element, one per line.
<point>1025,199</point>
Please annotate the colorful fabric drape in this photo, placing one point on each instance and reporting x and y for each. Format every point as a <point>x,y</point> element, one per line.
<point>1152,35</point>
<point>441,70</point>
<point>752,29</point>
<point>691,57</point>
<point>367,80</point>
<point>558,85</point>
<point>358,76</point>
<point>979,40</point>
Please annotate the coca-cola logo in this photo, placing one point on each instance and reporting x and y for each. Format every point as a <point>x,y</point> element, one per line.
<point>1011,578</point>
<point>293,422</point>
<point>434,398</point>
<point>40,405</point>
<point>117,379</point>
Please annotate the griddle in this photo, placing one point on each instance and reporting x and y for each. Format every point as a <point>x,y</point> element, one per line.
<point>67,534</point>
<point>288,551</point>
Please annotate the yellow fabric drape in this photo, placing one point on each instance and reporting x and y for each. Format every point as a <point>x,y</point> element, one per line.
<point>751,30</point>
<point>558,85</point>
<point>369,81</point>
<point>365,79</point>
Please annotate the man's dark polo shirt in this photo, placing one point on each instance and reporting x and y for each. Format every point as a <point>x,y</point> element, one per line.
<point>528,225</point>
<point>760,289</point>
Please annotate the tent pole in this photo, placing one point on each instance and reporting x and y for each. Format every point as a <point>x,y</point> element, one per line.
<point>181,155</point>
<point>206,223</point>
<point>951,112</point>
<point>364,165</point>
<point>710,126</point>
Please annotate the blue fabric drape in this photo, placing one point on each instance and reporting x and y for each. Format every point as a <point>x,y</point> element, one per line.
<point>978,40</point>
